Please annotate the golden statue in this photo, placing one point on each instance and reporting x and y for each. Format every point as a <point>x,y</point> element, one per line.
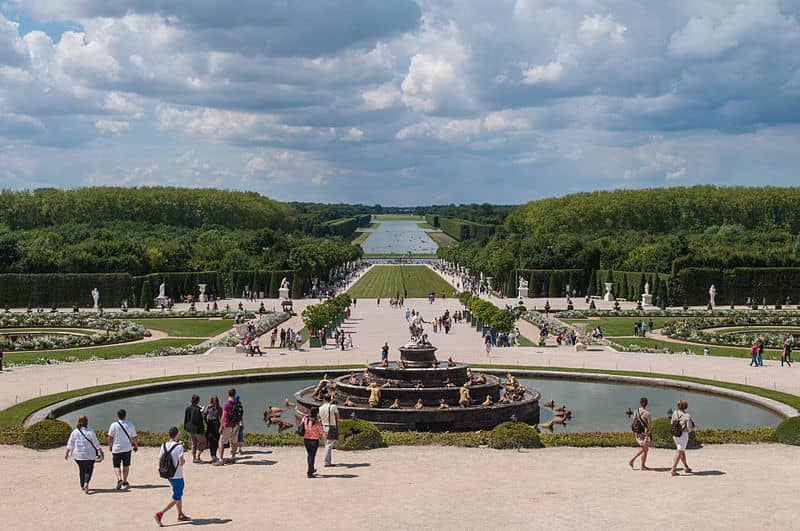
<point>488,401</point>
<point>464,399</point>
<point>374,395</point>
<point>395,404</point>
<point>443,404</point>
<point>419,404</point>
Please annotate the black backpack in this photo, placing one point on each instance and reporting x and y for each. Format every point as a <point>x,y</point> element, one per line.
<point>676,429</point>
<point>237,412</point>
<point>637,426</point>
<point>166,467</point>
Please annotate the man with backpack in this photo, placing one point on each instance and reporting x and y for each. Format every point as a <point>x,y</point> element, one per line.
<point>122,440</point>
<point>232,415</point>
<point>170,467</point>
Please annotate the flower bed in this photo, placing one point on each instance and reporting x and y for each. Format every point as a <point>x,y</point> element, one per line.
<point>675,312</point>
<point>109,331</point>
<point>696,330</point>
<point>263,324</point>
<point>186,350</point>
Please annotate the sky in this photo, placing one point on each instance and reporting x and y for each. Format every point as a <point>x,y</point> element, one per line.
<point>400,102</point>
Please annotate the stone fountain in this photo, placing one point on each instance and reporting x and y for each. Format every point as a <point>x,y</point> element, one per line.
<point>419,392</point>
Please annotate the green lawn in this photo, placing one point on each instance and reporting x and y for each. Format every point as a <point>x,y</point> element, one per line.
<point>360,237</point>
<point>106,352</point>
<point>396,217</point>
<point>619,326</point>
<point>188,327</point>
<point>695,348</point>
<point>390,281</point>
<point>425,225</point>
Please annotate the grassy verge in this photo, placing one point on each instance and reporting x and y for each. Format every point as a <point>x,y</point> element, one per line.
<point>389,281</point>
<point>619,326</point>
<point>425,225</point>
<point>188,327</point>
<point>106,352</point>
<point>695,348</point>
<point>441,239</point>
<point>360,237</point>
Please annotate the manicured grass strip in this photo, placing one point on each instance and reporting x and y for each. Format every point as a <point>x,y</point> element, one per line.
<point>694,348</point>
<point>391,281</point>
<point>619,326</point>
<point>361,237</point>
<point>16,414</point>
<point>187,327</point>
<point>525,342</point>
<point>105,352</point>
<point>425,225</point>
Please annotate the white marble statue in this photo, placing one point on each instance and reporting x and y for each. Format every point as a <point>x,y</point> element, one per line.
<point>523,284</point>
<point>203,297</point>
<point>162,288</point>
<point>609,296</point>
<point>712,296</point>
<point>96,298</point>
<point>647,288</point>
<point>418,335</point>
<point>284,283</point>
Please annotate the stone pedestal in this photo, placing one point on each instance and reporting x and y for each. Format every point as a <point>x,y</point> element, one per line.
<point>647,299</point>
<point>283,293</point>
<point>523,293</point>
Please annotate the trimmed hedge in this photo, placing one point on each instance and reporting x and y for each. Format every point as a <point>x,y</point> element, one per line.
<point>662,438</point>
<point>630,284</point>
<point>734,286</point>
<point>46,434</point>
<point>177,284</point>
<point>542,281</point>
<point>63,289</point>
<point>358,434</point>
<point>514,435</point>
<point>788,431</point>
<point>344,227</point>
<point>432,220</point>
<point>461,229</point>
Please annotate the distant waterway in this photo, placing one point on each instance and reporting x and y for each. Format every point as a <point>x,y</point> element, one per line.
<point>399,237</point>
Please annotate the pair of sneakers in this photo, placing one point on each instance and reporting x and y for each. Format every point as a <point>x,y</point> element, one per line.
<point>121,484</point>
<point>181,518</point>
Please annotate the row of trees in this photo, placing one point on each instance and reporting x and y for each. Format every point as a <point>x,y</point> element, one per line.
<point>656,231</point>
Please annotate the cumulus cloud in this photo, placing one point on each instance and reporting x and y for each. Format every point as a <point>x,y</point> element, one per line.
<point>329,92</point>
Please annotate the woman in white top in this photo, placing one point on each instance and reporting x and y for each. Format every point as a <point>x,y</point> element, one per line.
<point>85,450</point>
<point>687,425</point>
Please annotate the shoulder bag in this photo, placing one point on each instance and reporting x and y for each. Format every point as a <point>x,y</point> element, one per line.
<point>98,457</point>
<point>128,435</point>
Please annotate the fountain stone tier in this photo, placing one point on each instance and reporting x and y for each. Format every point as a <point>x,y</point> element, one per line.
<point>389,395</point>
<point>418,355</point>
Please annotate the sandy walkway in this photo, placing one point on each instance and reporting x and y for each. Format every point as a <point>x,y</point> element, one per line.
<point>735,487</point>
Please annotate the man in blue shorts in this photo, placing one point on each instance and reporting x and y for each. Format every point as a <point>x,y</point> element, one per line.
<point>175,450</point>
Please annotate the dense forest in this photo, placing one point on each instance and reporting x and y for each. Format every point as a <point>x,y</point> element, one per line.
<point>147,230</point>
<point>660,231</point>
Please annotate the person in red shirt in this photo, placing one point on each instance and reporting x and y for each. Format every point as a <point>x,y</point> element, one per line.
<point>313,431</point>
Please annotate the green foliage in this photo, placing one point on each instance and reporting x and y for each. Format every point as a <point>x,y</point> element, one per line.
<point>488,313</point>
<point>737,284</point>
<point>788,431</point>
<point>146,295</point>
<point>358,435</point>
<point>22,290</point>
<point>393,281</point>
<point>344,227</point>
<point>11,434</point>
<point>662,438</point>
<point>588,439</point>
<point>552,288</point>
<point>466,439</point>
<point>514,435</point>
<point>46,434</point>
<point>461,229</point>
